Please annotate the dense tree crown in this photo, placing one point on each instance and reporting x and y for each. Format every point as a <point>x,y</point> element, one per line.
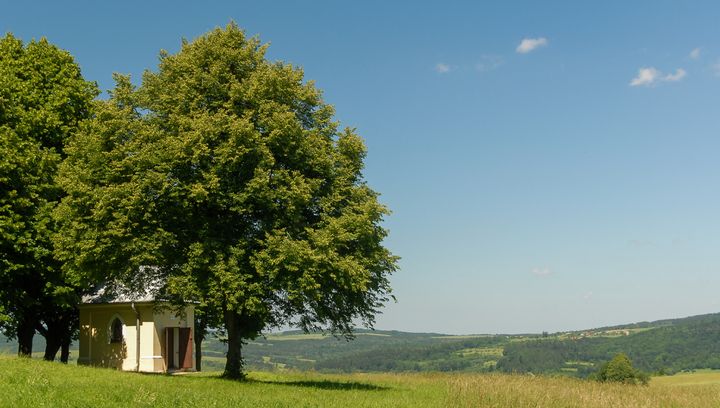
<point>228,173</point>
<point>43,97</point>
<point>620,369</point>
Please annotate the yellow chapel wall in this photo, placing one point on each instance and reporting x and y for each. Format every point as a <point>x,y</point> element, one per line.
<point>148,358</point>
<point>95,346</point>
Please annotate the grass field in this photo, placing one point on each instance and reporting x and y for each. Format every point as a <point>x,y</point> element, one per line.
<point>699,377</point>
<point>33,383</point>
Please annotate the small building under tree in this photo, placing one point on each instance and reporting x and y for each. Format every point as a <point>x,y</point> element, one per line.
<point>109,334</point>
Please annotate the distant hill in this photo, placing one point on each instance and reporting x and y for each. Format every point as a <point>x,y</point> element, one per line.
<point>664,346</point>
<point>10,347</point>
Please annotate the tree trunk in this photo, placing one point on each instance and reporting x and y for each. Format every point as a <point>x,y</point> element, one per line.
<point>200,332</point>
<point>198,352</point>
<point>234,361</point>
<point>58,330</point>
<point>52,339</point>
<point>65,350</point>
<point>25,334</point>
<point>52,345</point>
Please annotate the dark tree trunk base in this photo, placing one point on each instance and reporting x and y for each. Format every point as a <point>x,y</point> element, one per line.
<point>25,334</point>
<point>52,346</point>
<point>234,360</point>
<point>65,351</point>
<point>235,377</point>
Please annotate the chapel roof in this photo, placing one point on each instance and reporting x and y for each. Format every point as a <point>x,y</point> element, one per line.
<point>117,293</point>
<point>146,290</point>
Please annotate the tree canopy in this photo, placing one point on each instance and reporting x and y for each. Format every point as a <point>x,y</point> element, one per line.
<point>43,97</point>
<point>620,369</point>
<point>228,173</point>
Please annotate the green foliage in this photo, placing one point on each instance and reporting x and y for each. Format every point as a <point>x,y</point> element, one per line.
<point>621,370</point>
<point>43,97</point>
<point>670,345</point>
<point>228,173</point>
<point>681,344</point>
<point>370,351</point>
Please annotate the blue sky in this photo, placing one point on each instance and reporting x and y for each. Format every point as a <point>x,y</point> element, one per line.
<point>549,166</point>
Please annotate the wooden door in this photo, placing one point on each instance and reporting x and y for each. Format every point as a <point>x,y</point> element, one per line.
<point>185,347</point>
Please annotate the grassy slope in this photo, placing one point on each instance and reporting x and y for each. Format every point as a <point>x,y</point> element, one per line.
<point>32,383</point>
<point>699,377</point>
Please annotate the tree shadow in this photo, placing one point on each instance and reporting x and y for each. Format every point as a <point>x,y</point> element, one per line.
<point>326,385</point>
<point>317,384</point>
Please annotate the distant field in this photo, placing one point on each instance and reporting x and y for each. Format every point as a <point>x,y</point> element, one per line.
<point>460,337</point>
<point>284,337</point>
<point>34,383</point>
<point>313,336</point>
<point>699,377</point>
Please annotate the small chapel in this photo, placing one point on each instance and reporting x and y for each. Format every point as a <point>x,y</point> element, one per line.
<point>135,332</point>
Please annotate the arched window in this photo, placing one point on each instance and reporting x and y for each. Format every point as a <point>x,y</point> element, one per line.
<point>116,331</point>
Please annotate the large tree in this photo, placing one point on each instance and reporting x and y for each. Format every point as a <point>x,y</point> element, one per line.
<point>228,173</point>
<point>43,97</point>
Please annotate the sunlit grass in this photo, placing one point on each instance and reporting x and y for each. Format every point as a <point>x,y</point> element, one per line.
<point>528,391</point>
<point>34,383</point>
<point>699,377</point>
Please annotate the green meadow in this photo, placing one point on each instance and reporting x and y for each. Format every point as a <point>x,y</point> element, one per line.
<point>34,383</point>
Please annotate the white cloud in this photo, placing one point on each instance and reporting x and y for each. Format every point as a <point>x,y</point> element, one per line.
<point>646,77</point>
<point>442,68</point>
<point>542,272</point>
<point>695,53</point>
<point>588,295</point>
<point>529,44</point>
<point>489,63</point>
<point>651,76</point>
<point>678,75</point>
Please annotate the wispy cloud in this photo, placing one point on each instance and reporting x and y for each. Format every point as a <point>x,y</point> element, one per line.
<point>695,53</point>
<point>489,63</point>
<point>530,44</point>
<point>678,75</point>
<point>716,68</point>
<point>641,243</point>
<point>650,76</point>
<point>588,295</point>
<point>542,272</point>
<point>442,68</point>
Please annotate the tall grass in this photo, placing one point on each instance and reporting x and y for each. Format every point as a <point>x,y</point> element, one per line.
<point>33,383</point>
<point>528,391</point>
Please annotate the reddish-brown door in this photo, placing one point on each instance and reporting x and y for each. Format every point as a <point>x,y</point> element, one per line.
<point>186,352</point>
<point>180,356</point>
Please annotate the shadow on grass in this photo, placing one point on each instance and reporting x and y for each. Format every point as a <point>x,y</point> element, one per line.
<point>327,385</point>
<point>317,384</point>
